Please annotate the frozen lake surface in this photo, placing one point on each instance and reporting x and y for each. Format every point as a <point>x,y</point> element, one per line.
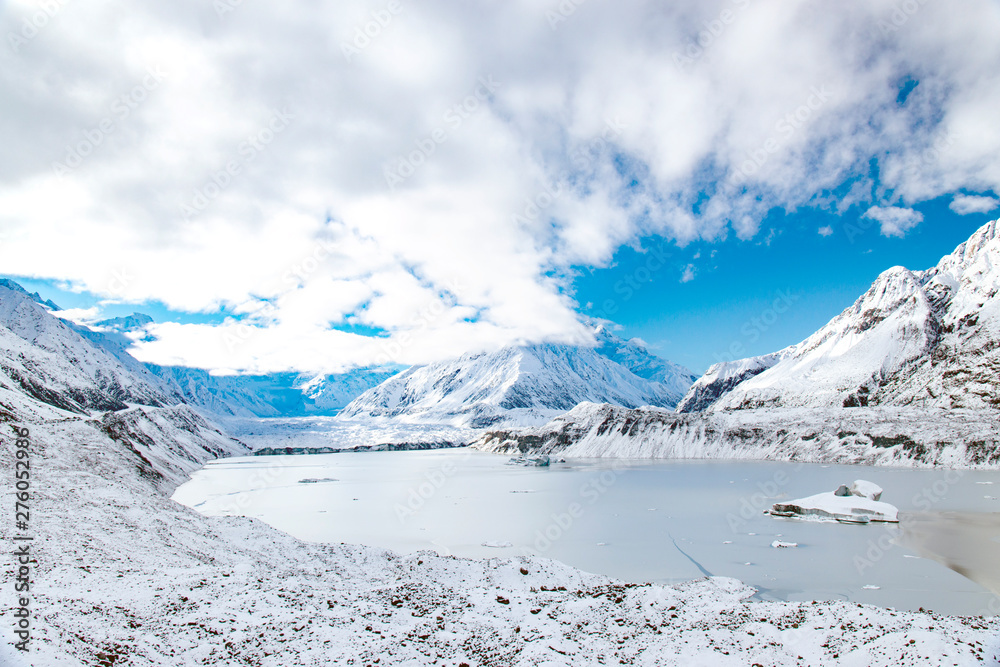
<point>660,521</point>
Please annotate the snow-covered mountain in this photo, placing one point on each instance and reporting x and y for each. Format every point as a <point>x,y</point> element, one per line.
<point>50,372</point>
<point>722,377</point>
<point>83,368</point>
<point>526,384</point>
<point>50,360</point>
<point>15,287</point>
<point>273,395</point>
<point>906,375</point>
<point>922,338</point>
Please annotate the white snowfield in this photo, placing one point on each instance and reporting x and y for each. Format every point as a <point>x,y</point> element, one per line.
<point>125,576</point>
<point>524,385</point>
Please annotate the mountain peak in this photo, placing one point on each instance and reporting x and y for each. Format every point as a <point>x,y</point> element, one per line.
<point>16,287</point>
<point>525,384</point>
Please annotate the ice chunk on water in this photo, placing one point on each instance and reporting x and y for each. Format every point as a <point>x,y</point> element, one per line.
<point>778,544</point>
<point>838,506</point>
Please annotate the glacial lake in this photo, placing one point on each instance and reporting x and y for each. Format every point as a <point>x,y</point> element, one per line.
<point>658,521</point>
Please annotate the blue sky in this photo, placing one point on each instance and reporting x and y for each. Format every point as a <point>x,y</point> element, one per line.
<point>759,295</point>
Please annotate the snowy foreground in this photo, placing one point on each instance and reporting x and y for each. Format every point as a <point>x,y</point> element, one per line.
<point>127,577</point>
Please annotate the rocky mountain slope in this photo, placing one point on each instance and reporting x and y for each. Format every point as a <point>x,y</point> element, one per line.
<point>525,384</point>
<point>897,436</point>
<point>49,359</point>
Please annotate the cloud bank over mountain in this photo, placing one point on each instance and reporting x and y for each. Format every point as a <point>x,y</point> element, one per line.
<point>378,182</point>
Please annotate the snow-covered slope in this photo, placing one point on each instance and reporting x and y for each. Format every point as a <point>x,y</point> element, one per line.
<point>898,436</point>
<point>168,443</point>
<point>926,338</point>
<point>525,384</point>
<point>723,377</point>
<point>49,359</point>
<point>15,287</point>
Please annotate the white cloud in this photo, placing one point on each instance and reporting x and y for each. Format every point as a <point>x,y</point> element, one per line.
<point>894,220</point>
<point>966,204</point>
<point>689,273</point>
<point>593,136</point>
<point>826,231</point>
<point>79,315</point>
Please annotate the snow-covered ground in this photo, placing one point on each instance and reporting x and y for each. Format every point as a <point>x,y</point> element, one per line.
<point>127,577</point>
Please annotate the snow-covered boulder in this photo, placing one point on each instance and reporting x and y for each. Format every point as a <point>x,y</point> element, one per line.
<point>864,489</point>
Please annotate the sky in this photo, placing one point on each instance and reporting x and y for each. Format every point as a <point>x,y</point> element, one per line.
<point>319,186</point>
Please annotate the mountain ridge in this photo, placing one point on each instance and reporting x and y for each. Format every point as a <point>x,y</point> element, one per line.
<point>525,384</point>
